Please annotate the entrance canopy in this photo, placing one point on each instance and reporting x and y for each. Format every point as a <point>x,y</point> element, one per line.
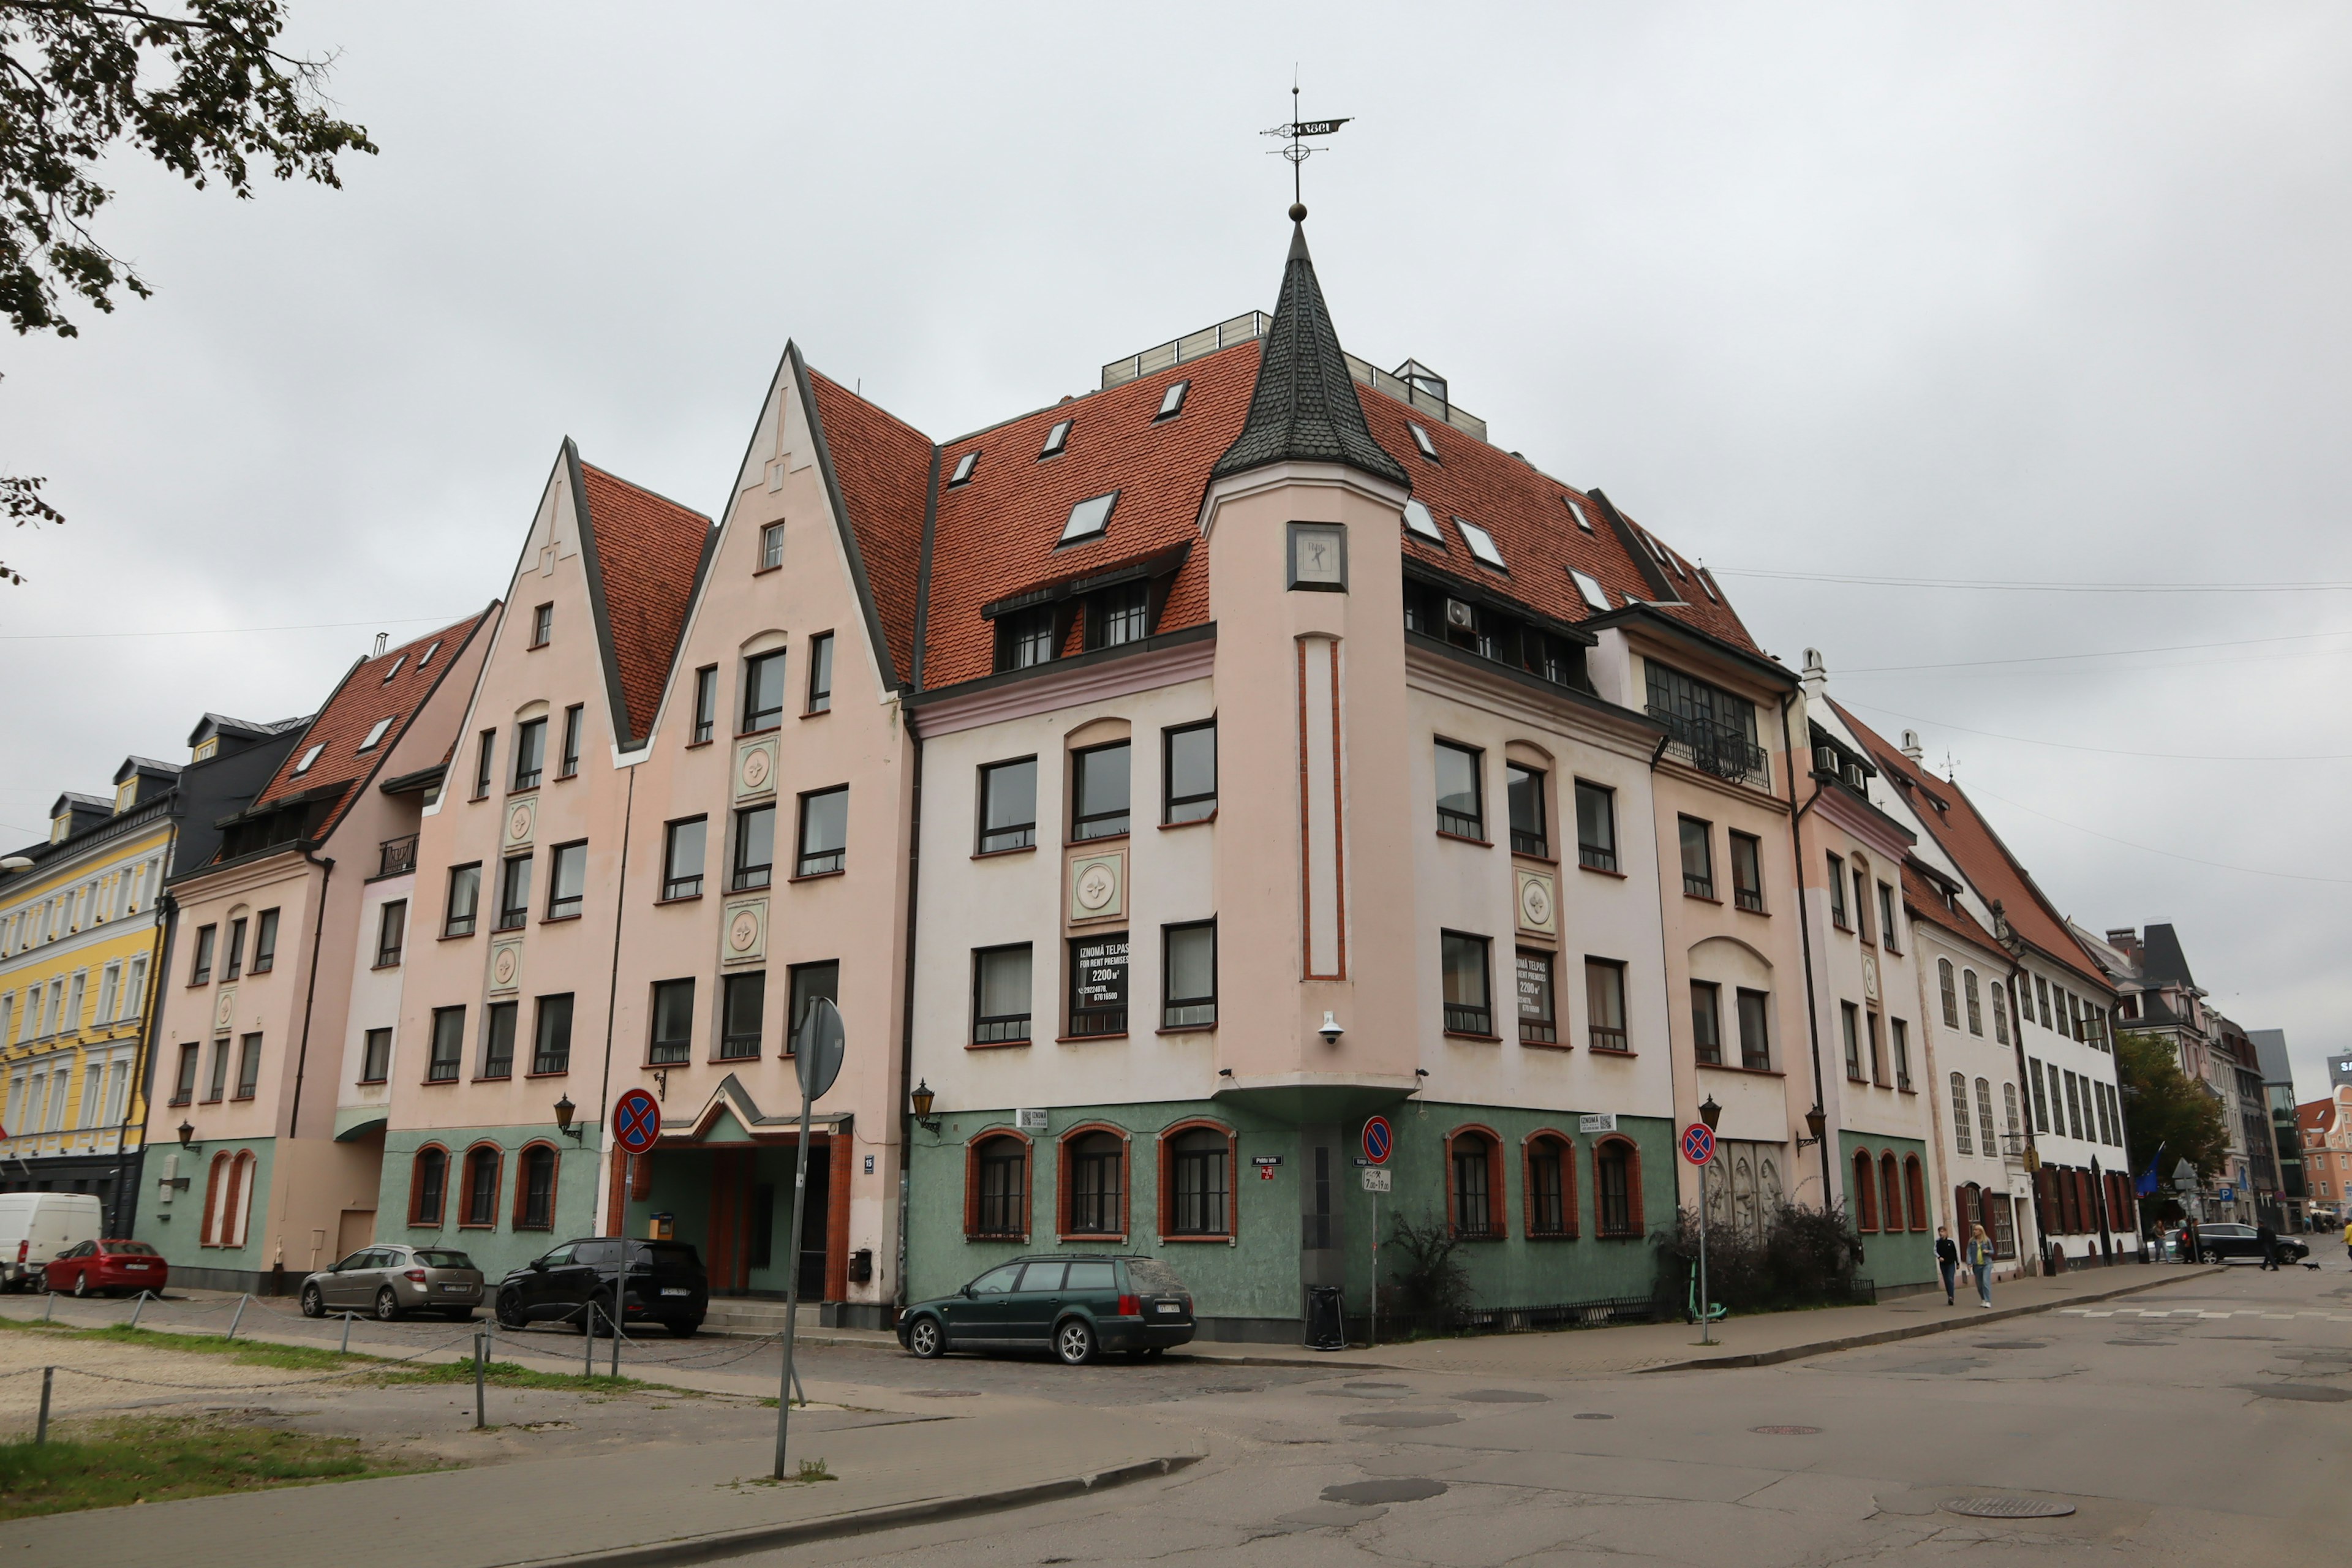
<point>731,1116</point>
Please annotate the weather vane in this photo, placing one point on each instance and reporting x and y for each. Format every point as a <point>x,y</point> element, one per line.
<point>1296,133</point>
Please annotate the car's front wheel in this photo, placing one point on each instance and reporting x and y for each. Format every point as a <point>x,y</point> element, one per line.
<point>388,1305</point>
<point>926,1339</point>
<point>1074,1341</point>
<point>314,1301</point>
<point>2211,1254</point>
<point>509,1312</point>
<point>82,1286</point>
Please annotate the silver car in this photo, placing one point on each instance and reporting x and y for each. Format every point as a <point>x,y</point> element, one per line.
<point>387,1281</point>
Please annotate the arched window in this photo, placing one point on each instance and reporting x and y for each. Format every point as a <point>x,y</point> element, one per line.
<point>2001,1013</point>
<point>1866,1192</point>
<point>1966,1212</point>
<point>1196,1180</point>
<point>535,1188</point>
<point>479,1204</point>
<point>1474,1187</point>
<point>996,1187</point>
<point>237,1205</point>
<point>1952,998</point>
<point>1617,1187</point>
<point>1984,1118</point>
<point>428,1185</point>
<point>1961,1139</point>
<point>1915,1187</point>
<point>209,1227</point>
<point>1976,1004</point>
<point>1550,1183</point>
<point>1094,1183</point>
<point>1890,1193</point>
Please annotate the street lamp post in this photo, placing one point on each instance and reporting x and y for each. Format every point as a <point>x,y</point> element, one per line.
<point>1709,1113</point>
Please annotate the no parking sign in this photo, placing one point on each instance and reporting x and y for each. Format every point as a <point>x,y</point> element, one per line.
<point>1698,1144</point>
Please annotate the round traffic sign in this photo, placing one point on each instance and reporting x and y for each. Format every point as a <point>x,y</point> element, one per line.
<point>637,1122</point>
<point>1380,1139</point>
<point>1698,1144</point>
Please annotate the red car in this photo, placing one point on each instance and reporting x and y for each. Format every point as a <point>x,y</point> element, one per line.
<point>107,1267</point>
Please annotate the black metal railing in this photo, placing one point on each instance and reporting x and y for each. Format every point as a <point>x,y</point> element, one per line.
<point>395,856</point>
<point>1713,748</point>
<point>1460,1020</point>
<point>1605,1039</point>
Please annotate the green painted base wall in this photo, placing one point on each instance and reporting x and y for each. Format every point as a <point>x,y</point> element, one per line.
<point>177,1229</point>
<point>499,1247</point>
<point>1894,1257</point>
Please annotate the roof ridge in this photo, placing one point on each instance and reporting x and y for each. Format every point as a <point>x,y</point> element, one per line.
<point>848,392</point>
<point>587,466</point>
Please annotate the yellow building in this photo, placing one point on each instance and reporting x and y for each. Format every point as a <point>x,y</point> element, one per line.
<point>80,920</point>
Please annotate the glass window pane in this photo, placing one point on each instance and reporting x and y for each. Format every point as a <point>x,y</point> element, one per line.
<point>741,1011</point>
<point>825,832</point>
<point>497,1045</point>
<point>755,846</point>
<point>1102,792</point>
<point>1707,1023</point>
<point>810,981</point>
<point>682,859</point>
<point>1008,805</point>
<point>1755,1035</point>
<point>1528,826</point>
<point>1596,828</point>
<point>764,690</point>
<point>1458,806</point>
<point>1699,860</point>
<point>1192,773</point>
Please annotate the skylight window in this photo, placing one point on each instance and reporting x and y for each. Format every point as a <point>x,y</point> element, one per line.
<point>426,657</point>
<point>395,669</point>
<point>1421,439</point>
<point>375,733</point>
<point>1576,509</point>
<point>1173,403</point>
<point>308,758</point>
<point>1088,519</point>
<point>1481,545</point>
<point>1417,519</point>
<point>1589,586</point>
<point>964,466</point>
<point>1056,439</point>
<point>1712,596</point>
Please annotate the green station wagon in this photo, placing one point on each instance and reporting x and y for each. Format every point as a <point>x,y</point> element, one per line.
<point>1077,1305</point>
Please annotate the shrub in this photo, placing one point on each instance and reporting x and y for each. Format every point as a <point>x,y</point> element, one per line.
<point>1806,1257</point>
<point>1432,1290</point>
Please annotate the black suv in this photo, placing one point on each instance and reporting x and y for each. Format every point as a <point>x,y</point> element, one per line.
<point>1077,1304</point>
<point>665,1285</point>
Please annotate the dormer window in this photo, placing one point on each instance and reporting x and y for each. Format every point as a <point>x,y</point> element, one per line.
<point>205,749</point>
<point>1172,401</point>
<point>1421,439</point>
<point>375,733</point>
<point>1418,520</point>
<point>309,757</point>
<point>1576,509</point>
<point>964,466</point>
<point>1481,545</point>
<point>1056,439</point>
<point>1589,586</point>
<point>1088,519</point>
<point>395,669</point>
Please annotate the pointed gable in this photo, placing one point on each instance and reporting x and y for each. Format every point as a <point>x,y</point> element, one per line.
<point>879,470</point>
<point>645,550</point>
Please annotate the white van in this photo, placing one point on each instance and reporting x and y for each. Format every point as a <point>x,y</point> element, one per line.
<point>37,1227</point>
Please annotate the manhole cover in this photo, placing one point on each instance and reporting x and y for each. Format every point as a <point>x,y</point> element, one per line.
<point>1402,1419</point>
<point>944,1393</point>
<point>2008,1508</point>
<point>1399,1489</point>
<point>1786,1431</point>
<point>2013,1344</point>
<point>1504,1396</point>
<point>1593,1415</point>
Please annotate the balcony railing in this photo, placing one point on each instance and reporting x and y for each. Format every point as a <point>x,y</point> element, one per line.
<point>1605,1039</point>
<point>2012,1146</point>
<point>396,857</point>
<point>1716,749</point>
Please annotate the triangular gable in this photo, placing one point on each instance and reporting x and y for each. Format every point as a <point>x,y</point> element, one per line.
<point>731,1116</point>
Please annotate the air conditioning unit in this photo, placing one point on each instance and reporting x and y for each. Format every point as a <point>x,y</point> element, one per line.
<point>1458,613</point>
<point>1825,760</point>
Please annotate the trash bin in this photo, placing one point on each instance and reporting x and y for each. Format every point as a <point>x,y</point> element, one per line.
<point>1327,1319</point>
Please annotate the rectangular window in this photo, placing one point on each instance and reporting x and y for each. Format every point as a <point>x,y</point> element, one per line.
<point>1192,764</point>
<point>1877,1050</point>
<point>771,547</point>
<point>1718,728</point>
<point>233,963</point>
<point>1963,1139</point>
<point>999,994</point>
<point>742,1002</point>
<point>1888,932</point>
<point>673,1036</point>
<point>1747,872</point>
<point>217,1086</point>
<point>568,766</point>
<point>2042,991</point>
<point>530,752</point>
<point>1849,1031</point>
<point>514,891</point>
<point>1099,793</point>
<point>755,847</point>
<point>1460,802</point>
<point>248,1065</point>
<point>820,679</point>
<point>1596,826</point>
<point>1098,984</point>
<point>485,749</point>
<point>1862,905</point>
<point>1755,1030</point>
<point>448,1045</point>
<point>1468,1007</point>
<point>375,1057</point>
<point>542,624</point>
<point>1706,1022</point>
<point>1604,1004</point>
<point>763,691</point>
<point>809,982</point>
<point>1524,789</point>
<point>2040,1098</point>
<point>265,943</point>
<point>1539,1019</point>
<point>1698,857</point>
<point>1008,805</point>
<point>2074,1108</point>
<point>1187,975</point>
<point>499,1038</point>
<point>682,845</point>
<point>1838,916</point>
<point>1900,1033</point>
<point>1024,638</point>
<point>462,904</point>
<point>1117,617</point>
<point>183,1086</point>
<point>1202,1164</point>
<point>825,832</point>
<point>391,933</point>
<point>706,704</point>
<point>200,972</point>
<point>567,879</point>
<point>551,1045</point>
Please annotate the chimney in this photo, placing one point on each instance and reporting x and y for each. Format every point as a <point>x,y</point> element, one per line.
<point>380,639</point>
<point>1817,675</point>
<point>2125,942</point>
<point>1911,747</point>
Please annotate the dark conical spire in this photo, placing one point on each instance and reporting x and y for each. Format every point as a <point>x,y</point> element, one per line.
<point>1304,407</point>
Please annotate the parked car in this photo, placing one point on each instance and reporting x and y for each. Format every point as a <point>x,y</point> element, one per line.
<point>665,1285</point>
<point>2221,1243</point>
<point>389,1280</point>
<point>107,1268</point>
<point>1075,1304</point>
<point>37,1227</point>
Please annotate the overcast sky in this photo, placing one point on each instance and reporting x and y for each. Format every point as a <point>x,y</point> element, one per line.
<point>2036,296</point>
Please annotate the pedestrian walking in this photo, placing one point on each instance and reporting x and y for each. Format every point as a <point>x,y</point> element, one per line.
<point>1947,1259</point>
<point>1980,1261</point>
<point>2268,1238</point>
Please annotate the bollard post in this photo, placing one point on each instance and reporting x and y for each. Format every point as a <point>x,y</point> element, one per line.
<point>138,1307</point>
<point>616,1347</point>
<point>41,1432</point>
<point>588,1348</point>
<point>481,1367</point>
<point>49,1312</point>
<point>347,1333</point>
<point>490,1338</point>
<point>237,1317</point>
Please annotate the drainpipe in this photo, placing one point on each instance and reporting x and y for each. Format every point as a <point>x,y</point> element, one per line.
<point>612,995</point>
<point>907,1003</point>
<point>1805,935</point>
<point>164,913</point>
<point>310,991</point>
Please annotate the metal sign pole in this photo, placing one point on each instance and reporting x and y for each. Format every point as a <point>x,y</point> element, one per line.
<point>793,1285</point>
<point>1376,1269</point>
<point>1706,1317</point>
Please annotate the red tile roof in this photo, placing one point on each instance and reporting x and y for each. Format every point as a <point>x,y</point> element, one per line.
<point>1981,856</point>
<point>2316,1115</point>
<point>882,466</point>
<point>393,685</point>
<point>1925,901</point>
<point>647,550</point>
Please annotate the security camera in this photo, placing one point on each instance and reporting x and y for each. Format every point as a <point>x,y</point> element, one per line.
<point>1330,1031</point>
